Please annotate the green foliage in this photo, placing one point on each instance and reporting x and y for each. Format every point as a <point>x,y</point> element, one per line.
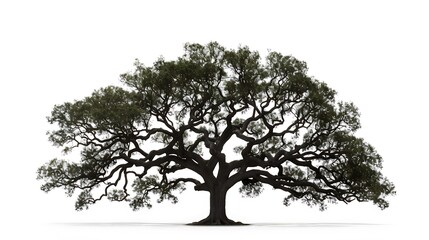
<point>107,111</point>
<point>295,172</point>
<point>60,173</point>
<point>151,184</point>
<point>251,189</point>
<point>107,108</point>
<point>84,200</point>
<point>117,195</point>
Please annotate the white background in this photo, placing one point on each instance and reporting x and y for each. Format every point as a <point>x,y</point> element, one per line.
<point>374,53</point>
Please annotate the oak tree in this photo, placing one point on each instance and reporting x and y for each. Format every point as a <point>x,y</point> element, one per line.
<point>169,126</point>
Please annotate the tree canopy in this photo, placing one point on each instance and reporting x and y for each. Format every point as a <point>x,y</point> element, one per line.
<point>168,126</point>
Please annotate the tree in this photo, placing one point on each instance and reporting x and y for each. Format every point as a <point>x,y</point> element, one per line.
<point>169,125</point>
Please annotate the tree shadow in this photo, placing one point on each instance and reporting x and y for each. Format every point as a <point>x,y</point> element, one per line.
<point>118,224</point>
<point>316,225</point>
<point>169,225</point>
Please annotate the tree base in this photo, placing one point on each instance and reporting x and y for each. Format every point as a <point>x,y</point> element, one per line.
<point>216,222</point>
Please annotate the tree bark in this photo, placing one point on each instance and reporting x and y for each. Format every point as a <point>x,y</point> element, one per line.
<point>217,215</point>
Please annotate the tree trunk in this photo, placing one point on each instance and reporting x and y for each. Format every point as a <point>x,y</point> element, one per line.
<point>217,214</point>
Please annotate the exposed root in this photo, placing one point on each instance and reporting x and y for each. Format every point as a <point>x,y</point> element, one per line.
<point>216,222</point>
